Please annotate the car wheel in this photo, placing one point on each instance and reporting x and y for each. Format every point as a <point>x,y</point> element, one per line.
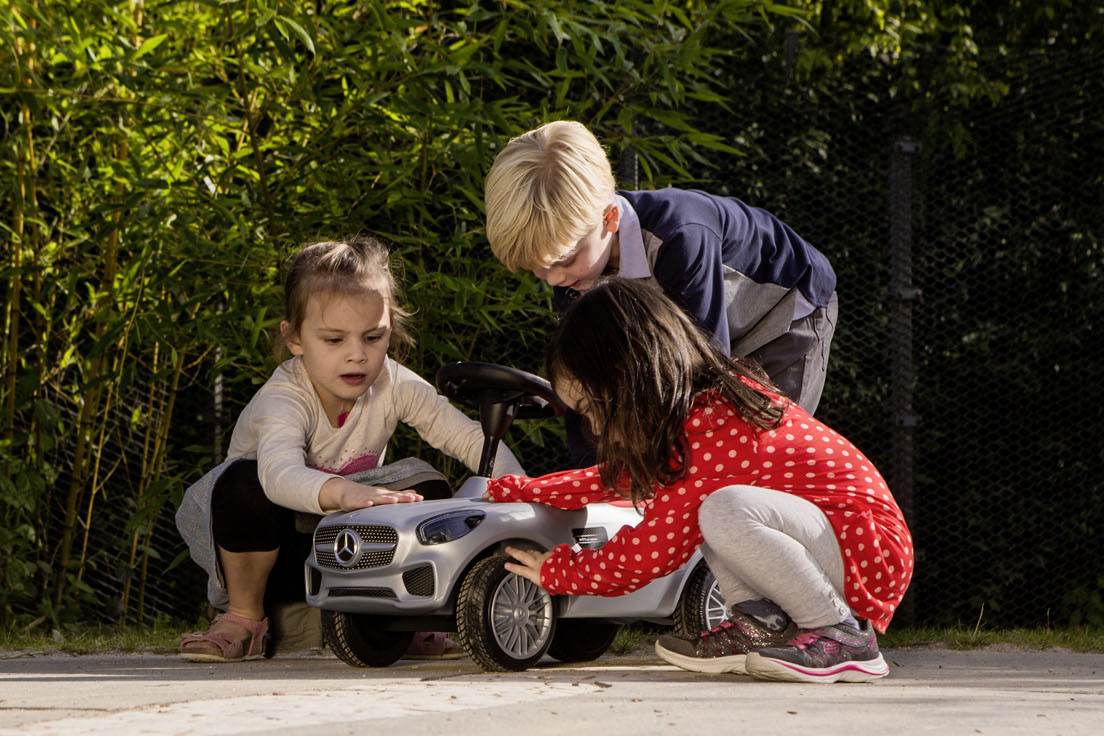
<point>580,640</point>
<point>702,606</point>
<point>356,641</point>
<point>504,621</point>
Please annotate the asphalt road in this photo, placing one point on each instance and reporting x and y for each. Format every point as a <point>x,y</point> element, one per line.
<point>929,690</point>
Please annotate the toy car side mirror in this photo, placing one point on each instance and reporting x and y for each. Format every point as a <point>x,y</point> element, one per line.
<point>500,394</point>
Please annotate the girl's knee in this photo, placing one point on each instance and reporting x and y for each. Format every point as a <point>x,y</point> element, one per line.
<point>728,511</point>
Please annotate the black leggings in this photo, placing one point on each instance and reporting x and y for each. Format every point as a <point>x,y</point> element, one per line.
<point>245,520</point>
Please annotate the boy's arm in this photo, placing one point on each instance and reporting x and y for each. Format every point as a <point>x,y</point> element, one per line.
<point>690,270</point>
<point>570,489</point>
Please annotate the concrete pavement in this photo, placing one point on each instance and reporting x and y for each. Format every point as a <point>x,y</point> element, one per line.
<point>929,690</point>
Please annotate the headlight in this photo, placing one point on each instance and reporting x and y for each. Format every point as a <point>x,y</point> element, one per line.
<point>448,527</point>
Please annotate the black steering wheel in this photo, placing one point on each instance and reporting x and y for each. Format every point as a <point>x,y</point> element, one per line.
<point>501,395</point>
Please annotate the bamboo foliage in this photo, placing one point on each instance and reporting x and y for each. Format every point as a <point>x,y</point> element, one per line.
<point>161,160</point>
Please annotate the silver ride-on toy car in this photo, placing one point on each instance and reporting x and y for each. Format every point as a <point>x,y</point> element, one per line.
<point>380,574</point>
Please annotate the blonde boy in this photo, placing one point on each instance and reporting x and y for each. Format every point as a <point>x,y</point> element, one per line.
<point>751,283</point>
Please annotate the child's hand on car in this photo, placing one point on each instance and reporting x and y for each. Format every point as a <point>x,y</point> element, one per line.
<point>506,487</point>
<point>528,563</point>
<point>338,494</point>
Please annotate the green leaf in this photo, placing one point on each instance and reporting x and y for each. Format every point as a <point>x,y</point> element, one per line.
<point>150,44</point>
<point>284,21</point>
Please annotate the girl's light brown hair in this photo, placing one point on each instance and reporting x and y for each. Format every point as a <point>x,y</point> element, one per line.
<point>640,361</point>
<point>355,266</point>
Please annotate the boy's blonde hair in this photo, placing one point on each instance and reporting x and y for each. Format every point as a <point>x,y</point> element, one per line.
<point>353,267</point>
<point>546,190</point>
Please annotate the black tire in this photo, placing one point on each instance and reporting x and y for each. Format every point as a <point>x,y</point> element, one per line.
<point>505,622</point>
<point>580,640</point>
<point>355,641</point>
<point>702,606</point>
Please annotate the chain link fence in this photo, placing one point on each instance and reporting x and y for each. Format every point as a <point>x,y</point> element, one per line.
<point>967,360</point>
<point>132,553</point>
<point>1009,357</point>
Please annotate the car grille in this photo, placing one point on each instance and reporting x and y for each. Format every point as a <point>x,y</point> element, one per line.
<point>419,581</point>
<point>361,593</point>
<point>369,534</point>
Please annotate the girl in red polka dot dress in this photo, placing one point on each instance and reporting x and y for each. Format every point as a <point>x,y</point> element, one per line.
<point>807,544</point>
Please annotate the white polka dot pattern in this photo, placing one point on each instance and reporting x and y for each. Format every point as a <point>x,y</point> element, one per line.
<point>802,456</point>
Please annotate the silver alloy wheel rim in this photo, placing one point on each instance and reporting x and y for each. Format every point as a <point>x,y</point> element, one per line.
<point>521,617</point>
<point>715,611</point>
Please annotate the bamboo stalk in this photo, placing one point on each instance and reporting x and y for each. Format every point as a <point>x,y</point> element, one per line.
<point>143,574</point>
<point>25,173</point>
<point>89,409</point>
<point>149,475</point>
<point>120,359</point>
<point>91,405</point>
<point>15,297</point>
<point>126,586</point>
<point>162,441</point>
<point>96,485</point>
<point>251,120</point>
<point>143,485</point>
<point>24,201</point>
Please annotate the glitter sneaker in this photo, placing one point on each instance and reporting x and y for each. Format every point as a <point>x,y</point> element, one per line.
<point>721,649</point>
<point>828,654</point>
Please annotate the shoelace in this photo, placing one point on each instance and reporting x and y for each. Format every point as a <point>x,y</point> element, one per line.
<point>803,641</point>
<point>716,629</point>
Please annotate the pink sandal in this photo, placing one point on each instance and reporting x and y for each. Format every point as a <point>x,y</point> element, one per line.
<point>226,648</point>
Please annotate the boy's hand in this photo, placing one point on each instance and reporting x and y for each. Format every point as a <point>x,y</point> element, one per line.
<point>338,494</point>
<point>528,563</point>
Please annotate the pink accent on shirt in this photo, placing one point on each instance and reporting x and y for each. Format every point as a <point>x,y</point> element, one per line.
<point>357,465</point>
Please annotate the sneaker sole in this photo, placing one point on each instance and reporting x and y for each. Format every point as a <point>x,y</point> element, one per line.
<point>733,664</point>
<point>779,670</point>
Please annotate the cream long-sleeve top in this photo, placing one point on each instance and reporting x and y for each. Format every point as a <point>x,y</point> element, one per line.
<point>285,428</point>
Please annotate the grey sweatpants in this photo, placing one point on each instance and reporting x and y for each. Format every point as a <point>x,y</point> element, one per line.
<point>762,543</point>
<point>798,360</point>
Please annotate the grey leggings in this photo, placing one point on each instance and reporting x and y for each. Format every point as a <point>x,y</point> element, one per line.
<point>762,543</point>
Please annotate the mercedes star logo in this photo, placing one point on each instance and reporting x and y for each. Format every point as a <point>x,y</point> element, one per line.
<point>347,547</point>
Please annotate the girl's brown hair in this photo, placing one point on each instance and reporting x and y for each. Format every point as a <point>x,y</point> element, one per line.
<point>640,361</point>
<point>356,266</point>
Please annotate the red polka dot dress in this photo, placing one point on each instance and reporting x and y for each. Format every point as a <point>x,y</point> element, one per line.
<point>802,456</point>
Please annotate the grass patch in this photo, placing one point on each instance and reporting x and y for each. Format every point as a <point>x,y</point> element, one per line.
<point>630,638</point>
<point>1077,639</point>
<point>161,638</point>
